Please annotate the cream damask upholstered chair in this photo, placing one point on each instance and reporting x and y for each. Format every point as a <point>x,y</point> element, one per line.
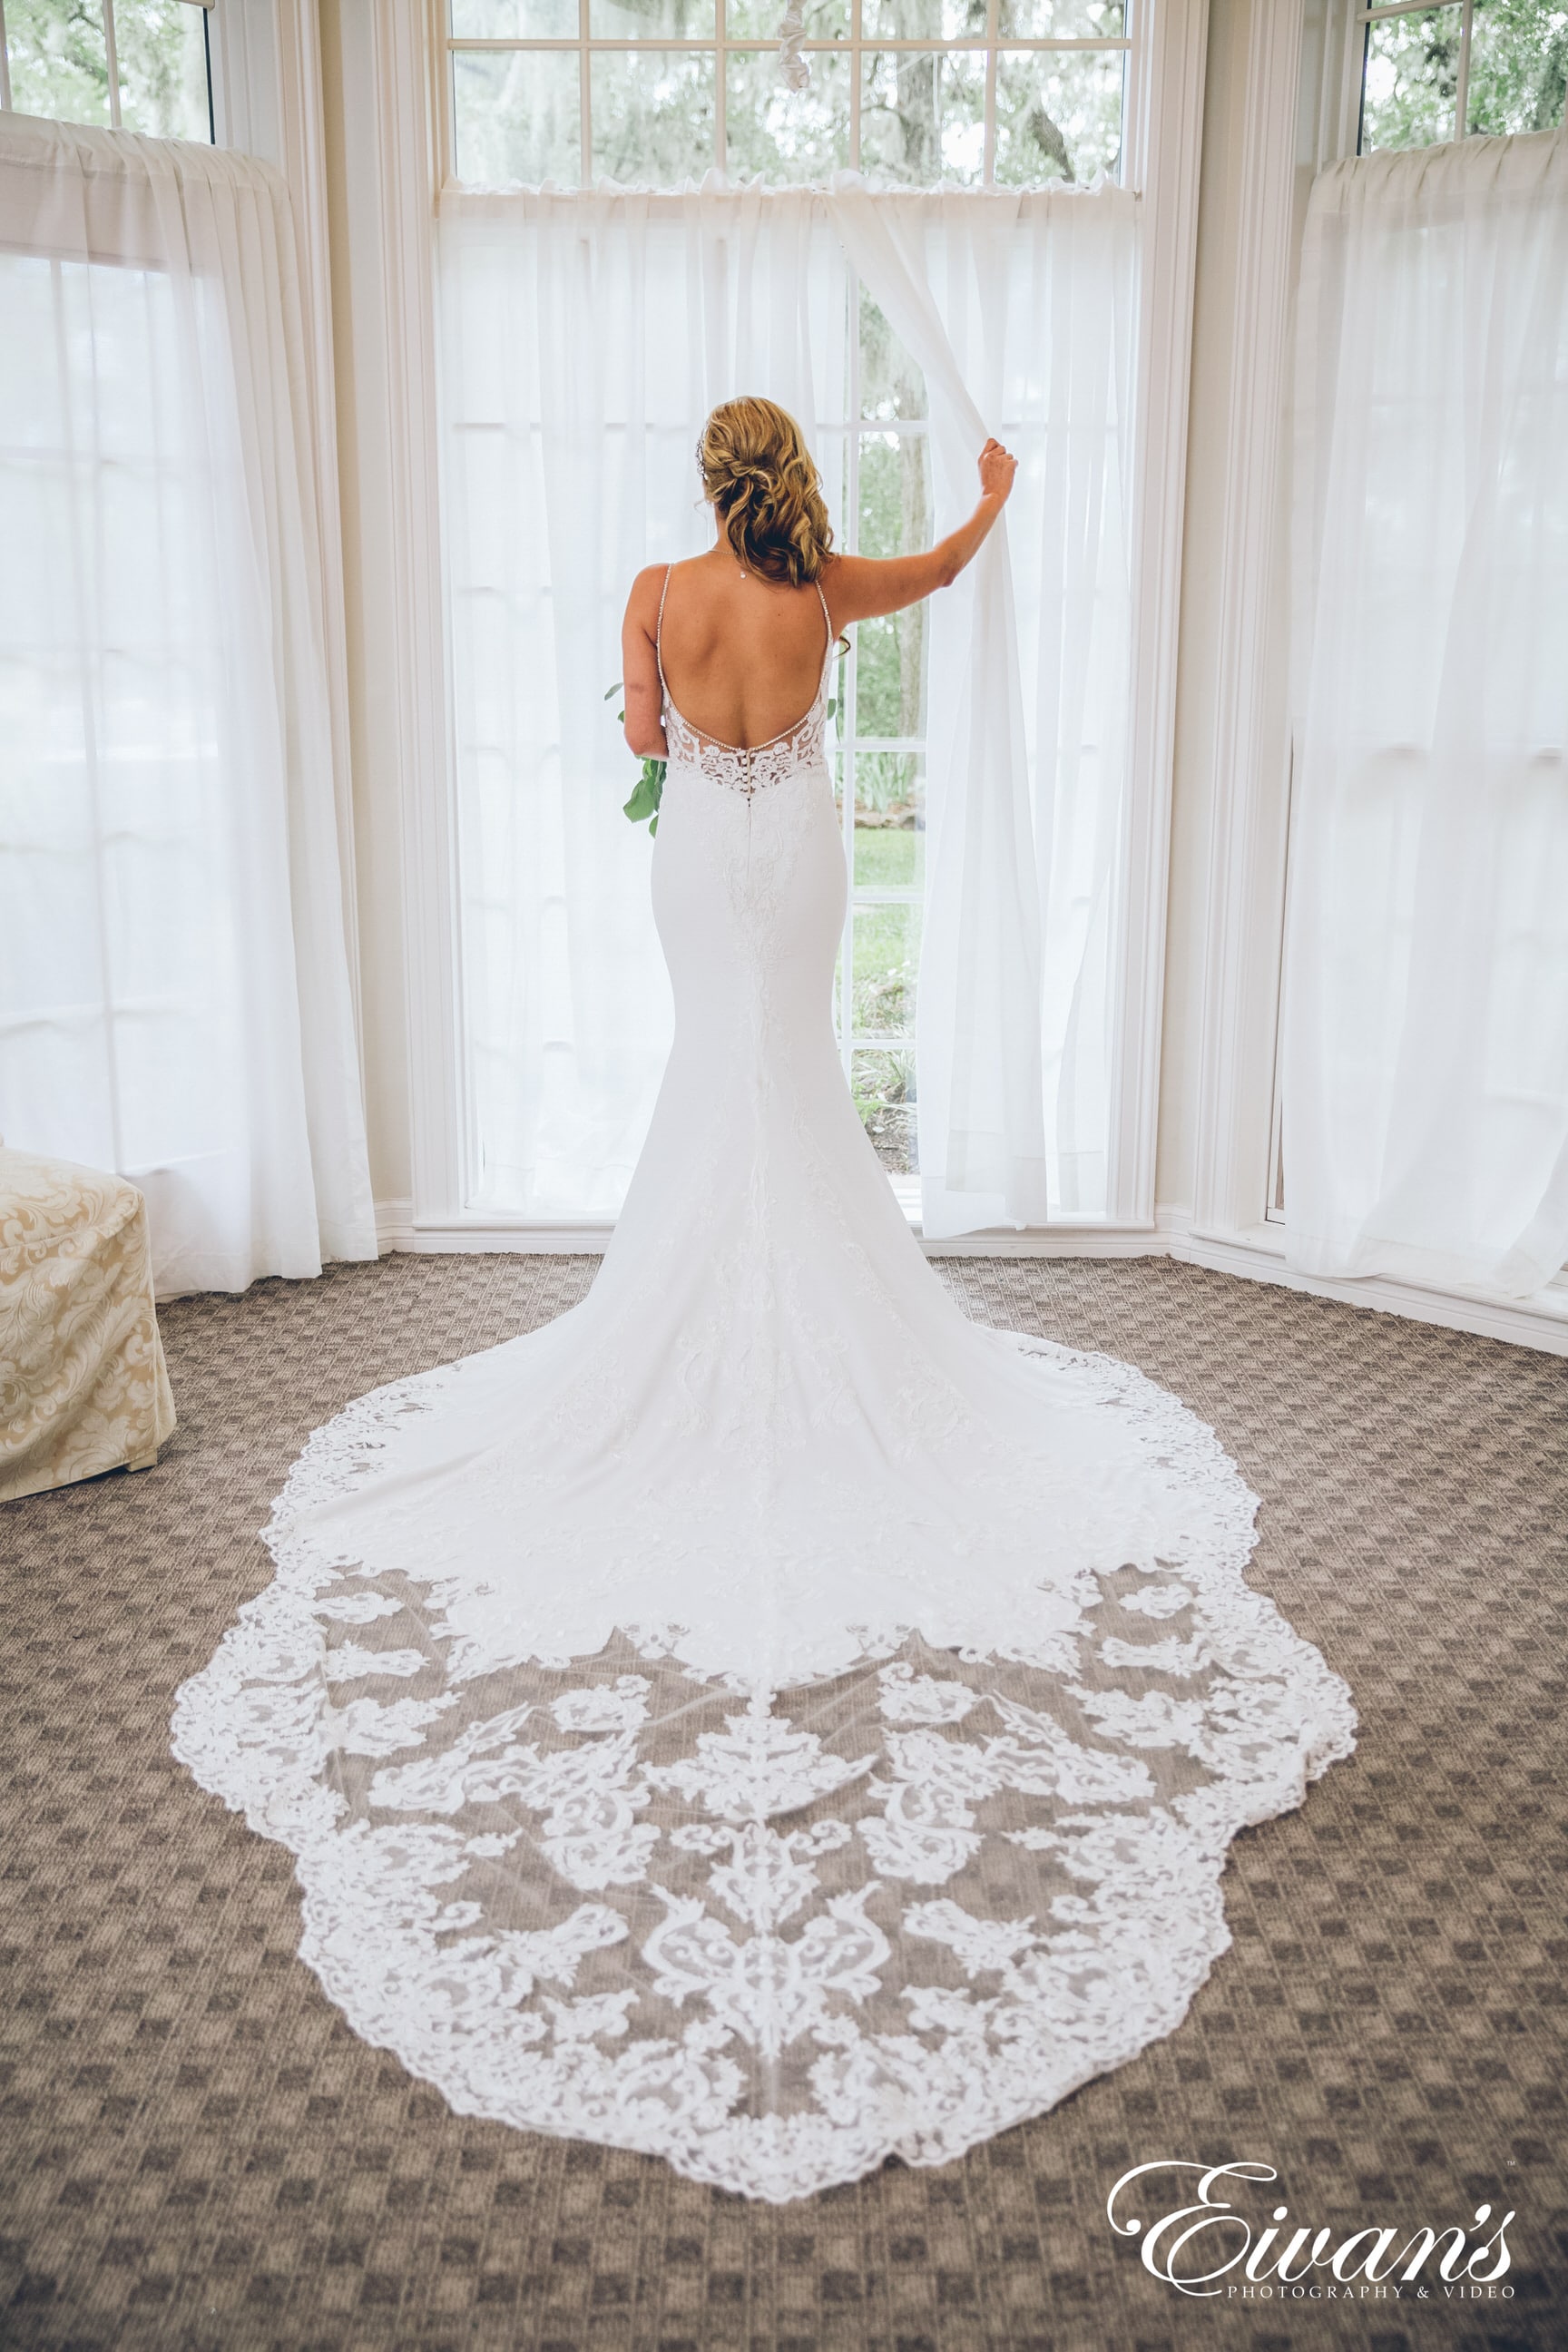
<point>82,1383</point>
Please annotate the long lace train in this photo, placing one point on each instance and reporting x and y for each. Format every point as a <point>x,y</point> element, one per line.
<point>761,1718</point>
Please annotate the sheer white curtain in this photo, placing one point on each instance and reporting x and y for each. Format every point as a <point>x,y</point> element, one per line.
<point>586,337</point>
<point>1021,314</point>
<point>1425,1068</point>
<point>174,996</point>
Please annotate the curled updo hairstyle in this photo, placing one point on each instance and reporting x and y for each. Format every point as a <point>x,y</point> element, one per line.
<point>765,490</point>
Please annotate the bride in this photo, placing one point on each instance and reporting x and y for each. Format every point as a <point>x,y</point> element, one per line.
<point>761,1718</point>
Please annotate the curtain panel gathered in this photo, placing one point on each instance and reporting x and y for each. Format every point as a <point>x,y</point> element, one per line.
<point>174,990</point>
<point>586,337</point>
<point>1426,1062</point>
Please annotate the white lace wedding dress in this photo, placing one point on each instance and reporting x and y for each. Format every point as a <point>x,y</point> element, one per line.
<point>761,1718</point>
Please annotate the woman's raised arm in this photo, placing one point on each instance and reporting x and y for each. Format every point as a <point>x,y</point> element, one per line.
<point>859,587</point>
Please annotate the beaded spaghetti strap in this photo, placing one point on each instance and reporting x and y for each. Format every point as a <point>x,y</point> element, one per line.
<point>658,636</point>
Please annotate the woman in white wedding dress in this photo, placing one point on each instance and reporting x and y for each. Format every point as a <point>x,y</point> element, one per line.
<point>761,1718</point>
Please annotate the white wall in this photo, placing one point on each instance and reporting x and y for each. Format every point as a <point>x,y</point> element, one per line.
<point>1208,458</point>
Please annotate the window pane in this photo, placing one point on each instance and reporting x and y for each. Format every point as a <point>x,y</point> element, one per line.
<point>883,1085</point>
<point>653,116</point>
<point>59,62</point>
<point>825,20</point>
<point>1412,79</point>
<point>891,383</point>
<point>515,20</point>
<point>889,821</point>
<point>651,20</point>
<point>161,48</point>
<point>516,117</point>
<point>887,951</point>
<point>1519,65</point>
<point>889,698</point>
<point>924,20</point>
<point>1058,118</point>
<point>784,134</point>
<point>922,117</point>
<point>895,496</point>
<point>895,511</point>
<point>1062,20</point>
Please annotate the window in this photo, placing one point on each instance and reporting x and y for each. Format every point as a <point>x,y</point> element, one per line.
<point>659,92</point>
<point>1473,67</point>
<point>563,311</point>
<point>132,64</point>
<point>1015,93</point>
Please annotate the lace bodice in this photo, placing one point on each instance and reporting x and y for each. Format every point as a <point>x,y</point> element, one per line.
<point>742,768</point>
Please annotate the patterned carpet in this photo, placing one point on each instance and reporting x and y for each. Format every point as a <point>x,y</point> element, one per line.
<point>197,2154</point>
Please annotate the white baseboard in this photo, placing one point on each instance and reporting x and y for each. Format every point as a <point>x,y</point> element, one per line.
<point>393,1225</point>
<point>1256,1255</point>
<point>465,1236</point>
<point>1259,1256</point>
<point>1052,1240</point>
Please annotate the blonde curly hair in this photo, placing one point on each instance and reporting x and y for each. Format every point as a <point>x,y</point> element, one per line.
<point>767,493</point>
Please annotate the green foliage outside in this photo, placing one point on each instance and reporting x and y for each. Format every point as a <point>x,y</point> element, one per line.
<point>58,58</point>
<point>886,946</point>
<point>1519,72</point>
<point>923,113</point>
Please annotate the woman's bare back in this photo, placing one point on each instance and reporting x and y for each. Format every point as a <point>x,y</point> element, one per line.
<point>742,656</point>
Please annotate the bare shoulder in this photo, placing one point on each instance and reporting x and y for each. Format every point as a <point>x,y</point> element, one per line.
<point>642,603</point>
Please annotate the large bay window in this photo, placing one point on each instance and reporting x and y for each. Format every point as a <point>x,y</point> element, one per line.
<point>980,744</point>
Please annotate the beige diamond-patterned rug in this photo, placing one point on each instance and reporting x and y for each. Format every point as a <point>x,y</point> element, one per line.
<point>197,2156</point>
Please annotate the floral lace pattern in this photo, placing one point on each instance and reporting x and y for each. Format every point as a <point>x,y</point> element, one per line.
<point>741,771</point>
<point>761,1718</point>
<point>769,1934</point>
<point>733,765</point>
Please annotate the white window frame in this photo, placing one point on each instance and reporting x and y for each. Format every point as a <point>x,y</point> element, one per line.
<point>393,64</point>
<point>855,427</point>
<point>1355,62</point>
<point>857,45</point>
